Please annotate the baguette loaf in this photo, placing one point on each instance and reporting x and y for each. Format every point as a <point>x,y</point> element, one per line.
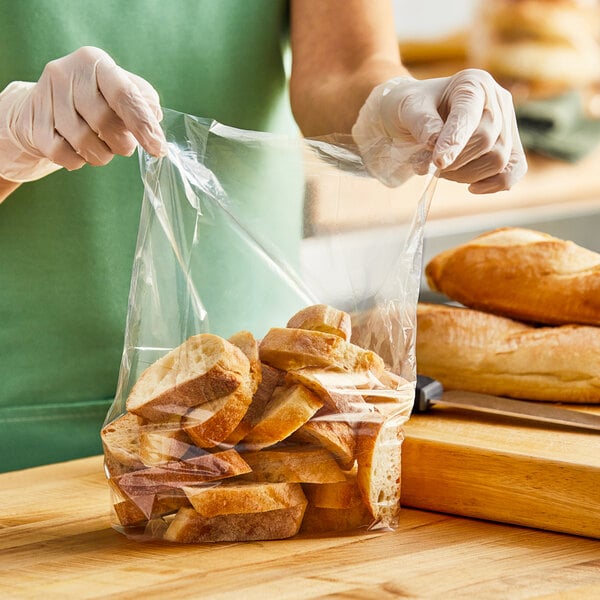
<point>247,497</point>
<point>521,274</point>
<point>476,351</point>
<point>321,317</point>
<point>191,528</point>
<point>203,368</point>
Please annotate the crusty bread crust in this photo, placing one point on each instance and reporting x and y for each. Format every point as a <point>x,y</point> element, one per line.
<point>191,528</point>
<point>378,458</point>
<point>288,349</point>
<point>270,379</point>
<point>521,274</point>
<point>331,520</point>
<point>289,409</point>
<point>335,436</point>
<point>344,494</point>
<point>212,422</point>
<point>203,368</point>
<point>300,464</point>
<point>243,498</point>
<point>321,317</point>
<point>247,343</point>
<point>480,352</point>
<point>121,443</point>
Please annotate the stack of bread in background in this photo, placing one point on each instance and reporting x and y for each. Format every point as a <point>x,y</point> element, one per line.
<point>531,329</point>
<point>232,440</point>
<point>538,48</point>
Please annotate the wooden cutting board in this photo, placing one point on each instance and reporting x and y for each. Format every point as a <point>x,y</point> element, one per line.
<point>501,469</point>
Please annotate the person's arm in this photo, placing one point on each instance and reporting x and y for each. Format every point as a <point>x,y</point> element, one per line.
<point>341,49</point>
<point>347,77</point>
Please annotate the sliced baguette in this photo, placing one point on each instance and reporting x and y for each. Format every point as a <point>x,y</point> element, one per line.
<point>130,514</point>
<point>212,422</point>
<point>189,527</point>
<point>332,520</point>
<point>340,495</point>
<point>247,343</point>
<point>291,349</point>
<point>335,436</point>
<point>289,409</point>
<point>196,470</point>
<point>294,465</point>
<point>271,378</point>
<point>121,443</point>
<point>162,444</point>
<point>246,497</point>
<point>321,317</point>
<point>378,476</point>
<point>203,368</point>
<point>332,389</point>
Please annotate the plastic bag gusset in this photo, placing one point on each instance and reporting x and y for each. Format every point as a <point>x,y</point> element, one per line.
<point>240,230</point>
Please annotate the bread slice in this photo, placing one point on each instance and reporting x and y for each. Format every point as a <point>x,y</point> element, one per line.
<point>290,349</point>
<point>301,464</point>
<point>289,409</point>
<point>162,442</point>
<point>247,343</point>
<point>335,436</point>
<point>175,475</point>
<point>203,368</point>
<point>321,317</point>
<point>521,274</point>
<point>334,390</point>
<point>191,528</point>
<point>471,350</point>
<point>333,520</point>
<point>120,440</point>
<point>378,457</point>
<point>212,422</point>
<point>271,378</point>
<point>247,497</point>
<point>340,495</point>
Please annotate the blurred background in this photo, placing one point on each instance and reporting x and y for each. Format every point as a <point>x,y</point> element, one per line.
<point>547,53</point>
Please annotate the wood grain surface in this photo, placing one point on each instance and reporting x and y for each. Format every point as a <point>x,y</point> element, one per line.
<point>502,469</point>
<point>56,542</point>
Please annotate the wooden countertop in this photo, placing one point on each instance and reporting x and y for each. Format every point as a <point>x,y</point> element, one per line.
<point>56,542</point>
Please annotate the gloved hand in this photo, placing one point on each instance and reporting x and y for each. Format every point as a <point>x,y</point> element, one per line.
<point>84,109</point>
<point>464,125</point>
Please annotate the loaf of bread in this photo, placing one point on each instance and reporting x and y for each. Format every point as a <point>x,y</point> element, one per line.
<point>521,274</point>
<point>472,350</point>
<point>220,436</point>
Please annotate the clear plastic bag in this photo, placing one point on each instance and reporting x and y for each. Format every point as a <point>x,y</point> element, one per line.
<point>228,423</point>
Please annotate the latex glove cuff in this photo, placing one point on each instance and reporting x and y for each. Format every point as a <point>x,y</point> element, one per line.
<point>16,163</point>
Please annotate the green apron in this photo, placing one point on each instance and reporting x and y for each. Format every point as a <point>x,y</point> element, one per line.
<point>67,241</point>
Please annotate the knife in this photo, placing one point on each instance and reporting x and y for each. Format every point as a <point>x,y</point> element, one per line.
<point>430,392</point>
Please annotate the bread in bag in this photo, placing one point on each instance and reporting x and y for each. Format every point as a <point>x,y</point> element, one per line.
<point>203,368</point>
<point>322,317</point>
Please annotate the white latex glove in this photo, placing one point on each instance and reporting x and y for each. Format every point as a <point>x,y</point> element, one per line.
<point>464,125</point>
<point>84,109</point>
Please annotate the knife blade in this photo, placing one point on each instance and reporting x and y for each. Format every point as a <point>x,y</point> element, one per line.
<point>430,392</point>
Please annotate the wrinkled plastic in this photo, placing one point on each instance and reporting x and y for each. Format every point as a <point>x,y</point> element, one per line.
<point>239,230</point>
